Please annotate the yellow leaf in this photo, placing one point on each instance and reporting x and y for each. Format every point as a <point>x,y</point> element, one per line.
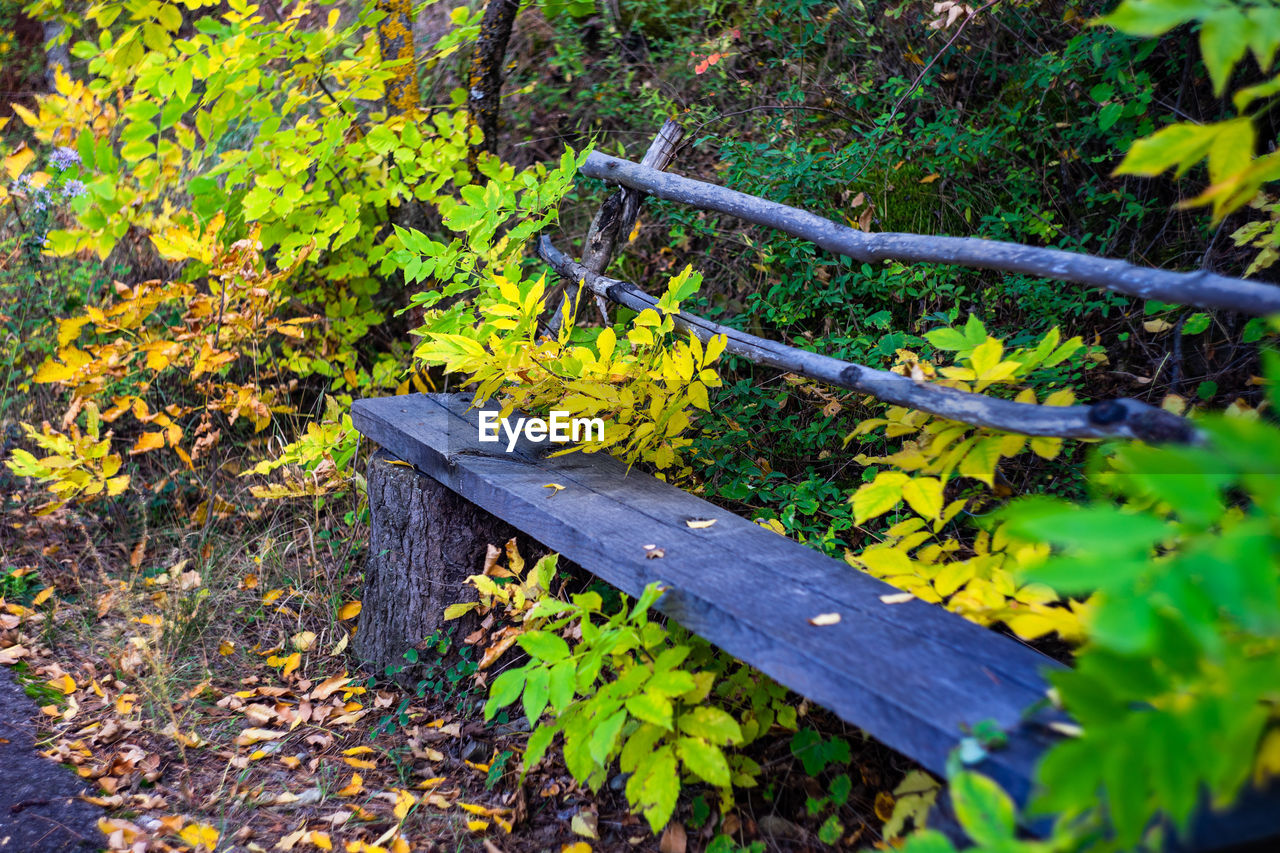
<point>355,786</point>
<point>555,488</point>
<point>1267,764</point>
<point>291,663</point>
<point>453,611</point>
<point>1157,326</point>
<point>924,495</point>
<point>303,640</point>
<point>1030,626</point>
<point>576,847</point>
<point>18,161</point>
<point>350,610</point>
<point>361,764</point>
<point>772,524</point>
<point>477,825</point>
<point>928,179</point>
<point>199,835</point>
<point>1046,448</point>
<point>884,805</point>
<point>885,562</point>
<point>896,598</point>
<point>980,462</point>
<point>986,356</point>
<point>65,683</point>
<point>319,839</point>
<point>404,802</point>
<point>42,596</point>
<point>700,523</point>
<point>1063,397</point>
<point>824,619</point>
<point>148,441</point>
<point>358,750</point>
<point>879,496</point>
<point>52,371</point>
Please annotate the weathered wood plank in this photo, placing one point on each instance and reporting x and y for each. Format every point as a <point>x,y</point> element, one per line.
<point>910,675</point>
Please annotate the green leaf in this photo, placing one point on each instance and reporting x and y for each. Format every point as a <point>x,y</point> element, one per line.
<point>711,723</point>
<point>1103,531</point>
<point>981,460</point>
<point>539,741</point>
<point>1153,17</point>
<point>1082,575</point>
<point>544,646</point>
<point>505,689</point>
<point>947,339</point>
<point>1178,145</point>
<point>1223,41</point>
<point>605,736</point>
<point>535,694</point>
<point>639,745</point>
<point>655,787</point>
<point>984,810</point>
<point>671,682</point>
<point>560,685</point>
<point>1109,115</point>
<point>704,760</point>
<point>1264,35</point>
<point>652,708</point>
<point>1196,323</point>
<point>928,841</point>
<point>879,496</point>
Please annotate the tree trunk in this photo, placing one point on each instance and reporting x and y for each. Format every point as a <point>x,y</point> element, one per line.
<point>425,541</point>
<point>484,95</point>
<point>395,39</point>
<point>57,54</point>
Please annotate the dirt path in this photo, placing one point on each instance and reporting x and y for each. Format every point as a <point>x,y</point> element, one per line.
<point>40,808</point>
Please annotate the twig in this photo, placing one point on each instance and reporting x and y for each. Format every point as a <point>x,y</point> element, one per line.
<point>1125,417</point>
<point>1201,288</point>
<point>615,219</point>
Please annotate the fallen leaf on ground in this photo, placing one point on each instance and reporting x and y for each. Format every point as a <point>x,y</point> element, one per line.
<point>823,619</point>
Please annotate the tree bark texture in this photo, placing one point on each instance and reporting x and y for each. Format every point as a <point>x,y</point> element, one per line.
<point>484,92</point>
<point>395,39</point>
<point>57,53</point>
<point>425,541</point>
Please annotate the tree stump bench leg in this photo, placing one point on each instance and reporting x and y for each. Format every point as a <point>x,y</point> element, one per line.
<point>425,540</point>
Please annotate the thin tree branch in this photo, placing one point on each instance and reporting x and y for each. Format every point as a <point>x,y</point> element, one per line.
<point>615,219</point>
<point>1202,288</point>
<point>1125,417</point>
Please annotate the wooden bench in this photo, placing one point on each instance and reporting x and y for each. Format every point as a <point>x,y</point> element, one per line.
<point>910,674</point>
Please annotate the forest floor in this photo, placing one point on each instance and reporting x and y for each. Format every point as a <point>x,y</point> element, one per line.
<point>199,679</point>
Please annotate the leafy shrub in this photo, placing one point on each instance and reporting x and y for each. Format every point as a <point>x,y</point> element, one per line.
<point>659,701</point>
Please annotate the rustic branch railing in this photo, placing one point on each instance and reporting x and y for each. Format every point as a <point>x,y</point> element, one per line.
<point>614,220</point>
<point>1202,289</point>
<point>1126,418</point>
